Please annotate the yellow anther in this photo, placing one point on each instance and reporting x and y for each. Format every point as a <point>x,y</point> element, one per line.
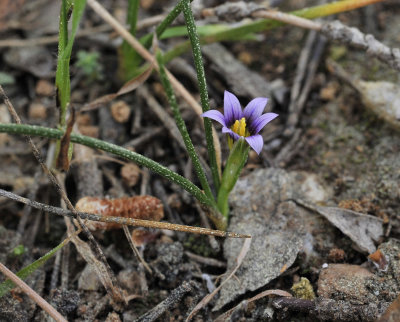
<point>235,127</point>
<point>242,127</point>
<point>239,127</point>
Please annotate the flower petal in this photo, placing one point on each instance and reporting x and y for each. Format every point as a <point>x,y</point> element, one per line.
<point>232,108</point>
<point>234,135</point>
<point>216,116</point>
<point>257,125</point>
<point>256,142</point>
<point>254,109</point>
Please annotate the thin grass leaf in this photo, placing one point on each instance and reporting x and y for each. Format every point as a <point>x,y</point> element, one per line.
<point>147,40</point>
<point>234,32</point>
<point>182,127</point>
<point>23,129</point>
<point>64,52</point>
<point>128,55</point>
<point>8,285</point>
<point>207,30</point>
<point>201,78</point>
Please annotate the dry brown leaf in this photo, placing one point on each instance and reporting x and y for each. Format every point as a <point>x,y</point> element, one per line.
<point>130,174</point>
<point>362,229</point>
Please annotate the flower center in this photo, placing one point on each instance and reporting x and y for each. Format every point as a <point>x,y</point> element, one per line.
<point>239,127</point>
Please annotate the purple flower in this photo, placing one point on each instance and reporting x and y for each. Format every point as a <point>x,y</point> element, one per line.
<point>246,124</point>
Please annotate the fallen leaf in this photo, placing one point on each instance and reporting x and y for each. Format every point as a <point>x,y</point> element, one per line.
<point>362,229</point>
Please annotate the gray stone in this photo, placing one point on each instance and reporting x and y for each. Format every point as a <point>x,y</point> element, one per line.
<point>261,207</point>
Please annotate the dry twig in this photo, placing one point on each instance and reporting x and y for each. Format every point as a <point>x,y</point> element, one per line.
<point>337,31</point>
<point>175,297</point>
<point>32,294</point>
<point>245,303</point>
<point>115,292</point>
<point>121,220</point>
<point>31,42</point>
<point>327,309</point>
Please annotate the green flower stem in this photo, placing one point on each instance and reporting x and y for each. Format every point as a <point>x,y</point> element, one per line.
<point>182,128</point>
<point>201,78</point>
<point>236,161</point>
<point>139,159</point>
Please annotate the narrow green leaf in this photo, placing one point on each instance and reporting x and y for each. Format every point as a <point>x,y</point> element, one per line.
<point>65,44</point>
<point>201,78</point>
<point>128,55</point>
<point>182,127</point>
<point>207,30</point>
<point>23,129</point>
<point>148,39</point>
<point>234,32</point>
<point>8,285</point>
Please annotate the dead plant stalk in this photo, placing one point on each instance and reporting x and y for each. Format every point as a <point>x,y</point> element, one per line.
<point>32,294</point>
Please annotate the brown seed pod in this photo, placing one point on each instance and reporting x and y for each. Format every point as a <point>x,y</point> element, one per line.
<point>138,207</point>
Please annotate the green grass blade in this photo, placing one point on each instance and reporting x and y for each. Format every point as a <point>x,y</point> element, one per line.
<point>23,129</point>
<point>64,52</point>
<point>161,28</point>
<point>182,128</point>
<point>201,78</point>
<point>7,285</point>
<point>229,33</point>
<point>128,55</point>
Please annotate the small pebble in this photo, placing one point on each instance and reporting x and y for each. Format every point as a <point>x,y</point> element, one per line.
<point>130,174</point>
<point>120,111</point>
<point>44,88</point>
<point>37,111</point>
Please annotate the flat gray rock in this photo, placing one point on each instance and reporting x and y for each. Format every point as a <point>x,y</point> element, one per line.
<point>261,207</point>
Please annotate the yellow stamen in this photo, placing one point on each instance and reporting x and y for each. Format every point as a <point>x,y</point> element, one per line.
<point>242,127</point>
<point>235,126</point>
<point>239,127</point>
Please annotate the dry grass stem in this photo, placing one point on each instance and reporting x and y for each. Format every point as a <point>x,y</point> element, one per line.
<point>115,293</point>
<point>32,42</point>
<point>288,18</point>
<point>32,294</point>
<point>134,248</point>
<point>121,220</point>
